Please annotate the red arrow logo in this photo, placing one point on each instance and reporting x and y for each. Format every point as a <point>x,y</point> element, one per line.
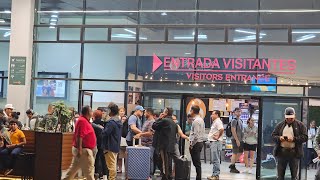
<point>156,62</point>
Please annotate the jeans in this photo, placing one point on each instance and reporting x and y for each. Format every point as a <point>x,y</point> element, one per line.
<point>293,164</point>
<point>9,156</point>
<point>195,156</point>
<point>151,161</point>
<point>157,161</point>
<point>216,148</point>
<point>100,163</point>
<point>167,164</point>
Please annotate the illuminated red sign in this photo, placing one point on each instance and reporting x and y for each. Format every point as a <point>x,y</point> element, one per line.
<point>228,69</point>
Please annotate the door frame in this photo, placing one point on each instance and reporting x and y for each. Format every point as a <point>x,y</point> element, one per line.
<point>83,93</point>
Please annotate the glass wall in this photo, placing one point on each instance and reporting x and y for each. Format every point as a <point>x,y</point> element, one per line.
<point>5,32</point>
<point>272,114</point>
<point>134,51</point>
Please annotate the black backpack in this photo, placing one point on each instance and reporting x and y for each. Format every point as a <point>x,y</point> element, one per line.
<point>228,129</point>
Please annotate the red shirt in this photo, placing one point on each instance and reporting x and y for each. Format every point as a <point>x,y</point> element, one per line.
<point>85,131</point>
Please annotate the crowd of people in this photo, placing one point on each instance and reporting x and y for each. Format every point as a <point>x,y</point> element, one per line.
<point>101,137</point>
<point>12,139</point>
<point>160,132</point>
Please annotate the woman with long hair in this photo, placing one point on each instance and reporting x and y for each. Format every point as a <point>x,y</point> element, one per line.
<point>250,144</point>
<point>123,144</point>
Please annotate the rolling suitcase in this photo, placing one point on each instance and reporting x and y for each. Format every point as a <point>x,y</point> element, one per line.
<point>183,168</point>
<point>138,162</point>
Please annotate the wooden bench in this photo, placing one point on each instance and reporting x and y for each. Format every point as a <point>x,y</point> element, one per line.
<point>24,166</point>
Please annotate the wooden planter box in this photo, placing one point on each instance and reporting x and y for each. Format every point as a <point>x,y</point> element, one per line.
<point>53,154</point>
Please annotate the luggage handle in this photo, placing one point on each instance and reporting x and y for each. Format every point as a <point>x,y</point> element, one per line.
<point>134,143</point>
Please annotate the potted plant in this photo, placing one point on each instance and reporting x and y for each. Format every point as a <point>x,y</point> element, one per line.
<point>54,144</point>
<point>64,115</point>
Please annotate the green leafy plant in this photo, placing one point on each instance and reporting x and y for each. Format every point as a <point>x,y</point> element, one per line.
<point>64,115</point>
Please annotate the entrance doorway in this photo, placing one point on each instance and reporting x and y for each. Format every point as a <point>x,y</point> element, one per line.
<point>86,99</point>
<point>267,112</point>
<point>226,105</point>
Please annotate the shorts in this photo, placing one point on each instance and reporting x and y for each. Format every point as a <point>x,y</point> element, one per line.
<point>235,148</point>
<point>249,147</point>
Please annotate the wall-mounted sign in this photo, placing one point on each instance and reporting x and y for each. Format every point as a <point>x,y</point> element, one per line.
<point>224,69</point>
<point>201,104</point>
<point>17,70</point>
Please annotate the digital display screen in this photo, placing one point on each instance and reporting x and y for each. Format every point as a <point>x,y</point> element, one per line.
<point>51,88</point>
<point>270,80</point>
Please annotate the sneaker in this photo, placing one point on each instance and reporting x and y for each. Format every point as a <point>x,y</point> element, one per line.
<point>234,170</point>
<point>213,177</point>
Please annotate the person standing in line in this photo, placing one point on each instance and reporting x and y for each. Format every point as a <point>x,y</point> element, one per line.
<point>197,137</point>
<point>178,136</point>
<point>83,146</point>
<point>250,144</point>
<point>311,154</point>
<point>100,162</point>
<point>123,143</point>
<point>166,131</point>
<point>187,132</point>
<point>216,137</point>
<point>236,139</point>
<point>157,162</point>
<point>289,135</point>
<point>316,147</point>
<point>147,136</point>
<point>111,140</point>
<point>135,124</point>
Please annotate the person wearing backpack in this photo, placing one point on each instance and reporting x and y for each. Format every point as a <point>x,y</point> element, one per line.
<point>236,139</point>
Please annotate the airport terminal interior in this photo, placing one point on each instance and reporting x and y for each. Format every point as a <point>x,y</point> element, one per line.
<point>259,56</point>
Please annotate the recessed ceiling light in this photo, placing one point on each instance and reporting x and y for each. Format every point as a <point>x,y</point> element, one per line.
<point>164,14</point>
<point>7,11</point>
<point>2,21</point>
<point>53,20</point>
<point>187,53</point>
<point>54,16</point>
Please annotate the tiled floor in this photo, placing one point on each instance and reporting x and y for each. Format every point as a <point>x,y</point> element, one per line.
<point>225,175</point>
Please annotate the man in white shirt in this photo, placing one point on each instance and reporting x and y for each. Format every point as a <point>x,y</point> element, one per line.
<point>197,134</point>
<point>311,154</point>
<point>215,137</point>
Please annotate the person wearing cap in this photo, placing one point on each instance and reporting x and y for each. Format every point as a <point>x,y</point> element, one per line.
<point>135,124</point>
<point>289,135</point>
<point>8,108</point>
<point>236,139</point>
<point>10,153</point>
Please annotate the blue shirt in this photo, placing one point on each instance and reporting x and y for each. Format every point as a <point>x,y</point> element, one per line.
<point>133,119</point>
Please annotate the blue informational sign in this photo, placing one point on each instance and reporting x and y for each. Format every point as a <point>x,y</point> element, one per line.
<point>270,80</point>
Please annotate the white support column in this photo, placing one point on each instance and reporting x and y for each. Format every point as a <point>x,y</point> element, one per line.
<point>21,43</point>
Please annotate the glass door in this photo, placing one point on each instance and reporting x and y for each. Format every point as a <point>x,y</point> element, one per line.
<point>272,114</point>
<point>86,98</point>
